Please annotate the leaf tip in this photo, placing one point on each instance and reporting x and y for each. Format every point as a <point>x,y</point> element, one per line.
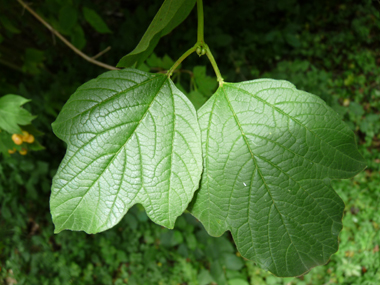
<point>57,230</point>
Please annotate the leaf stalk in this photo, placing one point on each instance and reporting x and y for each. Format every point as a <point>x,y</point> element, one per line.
<point>201,48</point>
<point>200,38</point>
<point>182,58</point>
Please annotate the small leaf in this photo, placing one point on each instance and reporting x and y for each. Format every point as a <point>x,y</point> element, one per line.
<point>6,143</point>
<point>232,262</point>
<point>132,137</point>
<point>33,60</point>
<point>154,61</point>
<point>197,99</point>
<point>171,14</point>
<point>167,62</point>
<point>12,115</point>
<point>237,281</point>
<point>204,277</point>
<point>269,153</point>
<point>68,17</point>
<point>7,24</point>
<point>78,37</point>
<point>95,21</point>
<point>206,84</point>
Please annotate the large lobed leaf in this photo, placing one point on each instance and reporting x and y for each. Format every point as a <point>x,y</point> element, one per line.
<point>269,152</point>
<point>171,14</point>
<point>132,137</point>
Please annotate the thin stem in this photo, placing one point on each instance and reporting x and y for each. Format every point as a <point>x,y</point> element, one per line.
<point>200,47</point>
<point>182,58</point>
<point>66,42</point>
<point>102,52</point>
<point>9,64</point>
<point>214,65</point>
<point>200,22</point>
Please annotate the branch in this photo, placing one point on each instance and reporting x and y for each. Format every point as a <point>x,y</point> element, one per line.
<point>66,42</point>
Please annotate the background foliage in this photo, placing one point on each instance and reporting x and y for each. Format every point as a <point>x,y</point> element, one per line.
<point>330,48</point>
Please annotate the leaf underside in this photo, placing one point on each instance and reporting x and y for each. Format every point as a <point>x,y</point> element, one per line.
<point>132,137</point>
<point>171,14</point>
<point>269,152</point>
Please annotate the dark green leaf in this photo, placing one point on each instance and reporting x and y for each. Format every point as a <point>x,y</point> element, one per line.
<point>167,62</point>
<point>170,15</point>
<point>95,21</point>
<point>78,38</point>
<point>132,137</point>
<point>269,152</point>
<point>7,24</point>
<point>6,143</point>
<point>197,98</point>
<point>68,17</point>
<point>154,61</point>
<point>33,60</point>
<point>12,115</point>
<point>206,84</point>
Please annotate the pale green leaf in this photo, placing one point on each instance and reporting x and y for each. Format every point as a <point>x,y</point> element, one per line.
<point>237,281</point>
<point>269,153</point>
<point>171,14</point>
<point>204,277</point>
<point>95,21</point>
<point>12,114</point>
<point>232,262</point>
<point>132,137</point>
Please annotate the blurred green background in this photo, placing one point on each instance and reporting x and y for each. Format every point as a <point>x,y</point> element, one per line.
<point>329,48</point>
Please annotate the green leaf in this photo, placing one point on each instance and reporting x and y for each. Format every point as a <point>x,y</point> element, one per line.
<point>78,38</point>
<point>237,281</point>
<point>7,24</point>
<point>204,277</point>
<point>232,262</point>
<point>206,84</point>
<point>132,137</point>
<point>12,115</point>
<point>171,14</point>
<point>6,143</point>
<point>269,152</point>
<point>197,99</point>
<point>33,60</point>
<point>95,21</point>
<point>68,17</point>
<point>167,62</point>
